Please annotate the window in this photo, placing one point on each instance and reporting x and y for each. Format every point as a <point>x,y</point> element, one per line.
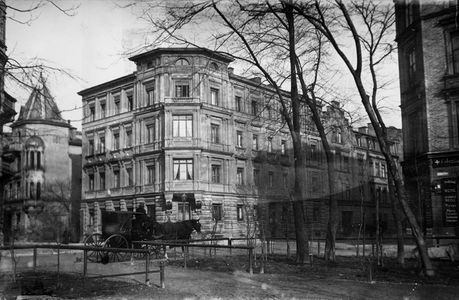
<point>256,177</point>
<point>255,142</point>
<point>214,66</point>
<point>455,51</point>
<point>270,145</point>
<point>216,212</point>
<point>269,112</point>
<point>101,144</point>
<point>90,149</point>
<point>116,179</point>
<point>38,160</point>
<point>32,190</point>
<point>183,209</point>
<point>151,174</point>
<point>240,212</point>
<point>182,89</point>
<point>315,183</point>
<point>38,190</point>
<point>151,96</point>
<point>254,108</point>
<point>129,176</point>
<point>116,141</point>
<point>150,132</point>
<point>182,126</point>
<point>411,66</point>
<point>183,169</point>
<point>409,12</point>
<point>91,182</point>
<point>216,174</point>
<point>128,141</point>
<point>316,213</point>
<point>92,113</point>
<point>101,181</point>
<point>238,101</point>
<point>102,110</point>
<point>383,170</point>
<point>285,179</point>
<point>283,147</point>
<point>116,104</point>
<point>18,190</point>
<point>271,179</point>
<point>182,62</point>
<point>240,176</point>
<point>130,102</point>
<point>215,133</point>
<point>239,139</point>
<point>346,164</point>
<point>214,96</point>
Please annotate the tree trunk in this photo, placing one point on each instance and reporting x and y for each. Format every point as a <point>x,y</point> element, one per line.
<point>332,227</point>
<point>397,215</point>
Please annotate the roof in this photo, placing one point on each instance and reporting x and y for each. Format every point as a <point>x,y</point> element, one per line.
<point>41,107</point>
<point>157,51</point>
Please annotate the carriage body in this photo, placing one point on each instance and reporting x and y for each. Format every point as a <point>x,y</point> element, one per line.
<point>119,230</point>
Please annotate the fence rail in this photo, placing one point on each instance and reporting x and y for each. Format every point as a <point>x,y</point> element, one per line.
<point>85,249</point>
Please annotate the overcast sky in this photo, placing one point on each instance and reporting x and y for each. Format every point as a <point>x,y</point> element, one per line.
<point>89,45</point>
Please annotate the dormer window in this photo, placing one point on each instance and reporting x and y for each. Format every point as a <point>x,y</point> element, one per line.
<point>182,62</point>
<point>213,66</point>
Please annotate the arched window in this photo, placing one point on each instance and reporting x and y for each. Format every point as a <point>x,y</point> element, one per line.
<point>38,190</point>
<point>182,62</point>
<point>213,66</point>
<point>32,187</point>
<point>32,159</point>
<point>38,160</point>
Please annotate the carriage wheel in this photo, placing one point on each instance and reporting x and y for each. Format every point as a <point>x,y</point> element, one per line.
<point>94,240</point>
<point>157,250</point>
<point>116,241</point>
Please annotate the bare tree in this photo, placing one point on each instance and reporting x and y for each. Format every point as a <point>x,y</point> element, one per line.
<point>371,48</point>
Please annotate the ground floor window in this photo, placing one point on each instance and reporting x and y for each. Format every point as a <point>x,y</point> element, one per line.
<point>216,212</point>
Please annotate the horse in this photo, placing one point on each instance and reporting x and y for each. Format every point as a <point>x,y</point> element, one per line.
<point>170,231</point>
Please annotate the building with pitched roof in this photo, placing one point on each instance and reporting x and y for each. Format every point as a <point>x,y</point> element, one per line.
<point>41,197</point>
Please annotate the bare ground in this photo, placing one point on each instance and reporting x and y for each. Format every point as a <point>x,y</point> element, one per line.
<point>227,278</point>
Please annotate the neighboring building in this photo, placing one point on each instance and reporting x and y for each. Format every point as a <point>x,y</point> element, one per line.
<point>44,157</point>
<point>7,111</point>
<point>188,138</point>
<point>428,44</point>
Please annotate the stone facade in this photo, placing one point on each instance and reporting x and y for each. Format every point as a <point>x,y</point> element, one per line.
<point>188,138</point>
<point>428,42</point>
<point>44,156</point>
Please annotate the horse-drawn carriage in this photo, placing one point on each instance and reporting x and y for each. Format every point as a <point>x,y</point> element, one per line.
<point>125,230</point>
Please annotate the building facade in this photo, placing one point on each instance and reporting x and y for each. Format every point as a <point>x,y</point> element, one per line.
<point>7,111</point>
<point>187,138</point>
<point>428,43</point>
<point>43,151</point>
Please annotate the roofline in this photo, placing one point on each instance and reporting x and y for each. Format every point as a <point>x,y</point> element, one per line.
<point>41,121</point>
<point>102,86</point>
<point>218,54</point>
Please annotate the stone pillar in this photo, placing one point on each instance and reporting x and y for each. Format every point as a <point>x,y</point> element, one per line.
<point>123,206</point>
<point>97,218</point>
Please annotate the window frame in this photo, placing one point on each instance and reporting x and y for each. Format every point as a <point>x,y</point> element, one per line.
<point>216,173</point>
<point>187,163</point>
<point>217,212</point>
<point>214,133</point>
<point>182,122</point>
<point>214,96</point>
<point>239,139</point>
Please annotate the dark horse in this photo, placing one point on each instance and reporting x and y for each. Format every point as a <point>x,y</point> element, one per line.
<point>169,231</point>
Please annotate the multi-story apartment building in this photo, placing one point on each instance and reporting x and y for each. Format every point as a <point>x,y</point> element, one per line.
<point>43,154</point>
<point>188,138</point>
<point>7,111</point>
<point>428,43</point>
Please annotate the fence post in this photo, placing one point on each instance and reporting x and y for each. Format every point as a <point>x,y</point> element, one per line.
<point>58,263</point>
<point>147,266</point>
<point>85,263</point>
<point>250,260</point>
<point>34,259</point>
<point>185,254</point>
<point>230,243</point>
<point>161,275</point>
<point>318,247</point>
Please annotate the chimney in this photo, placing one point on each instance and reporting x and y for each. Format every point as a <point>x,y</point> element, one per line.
<point>230,70</point>
<point>363,129</point>
<point>335,104</point>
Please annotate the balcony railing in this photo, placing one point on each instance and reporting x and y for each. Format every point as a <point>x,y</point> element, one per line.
<point>173,100</point>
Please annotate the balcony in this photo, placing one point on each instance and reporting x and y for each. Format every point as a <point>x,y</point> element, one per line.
<point>182,142</point>
<point>181,100</point>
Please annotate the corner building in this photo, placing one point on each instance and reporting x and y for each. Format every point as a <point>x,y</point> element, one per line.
<point>428,43</point>
<point>186,137</point>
